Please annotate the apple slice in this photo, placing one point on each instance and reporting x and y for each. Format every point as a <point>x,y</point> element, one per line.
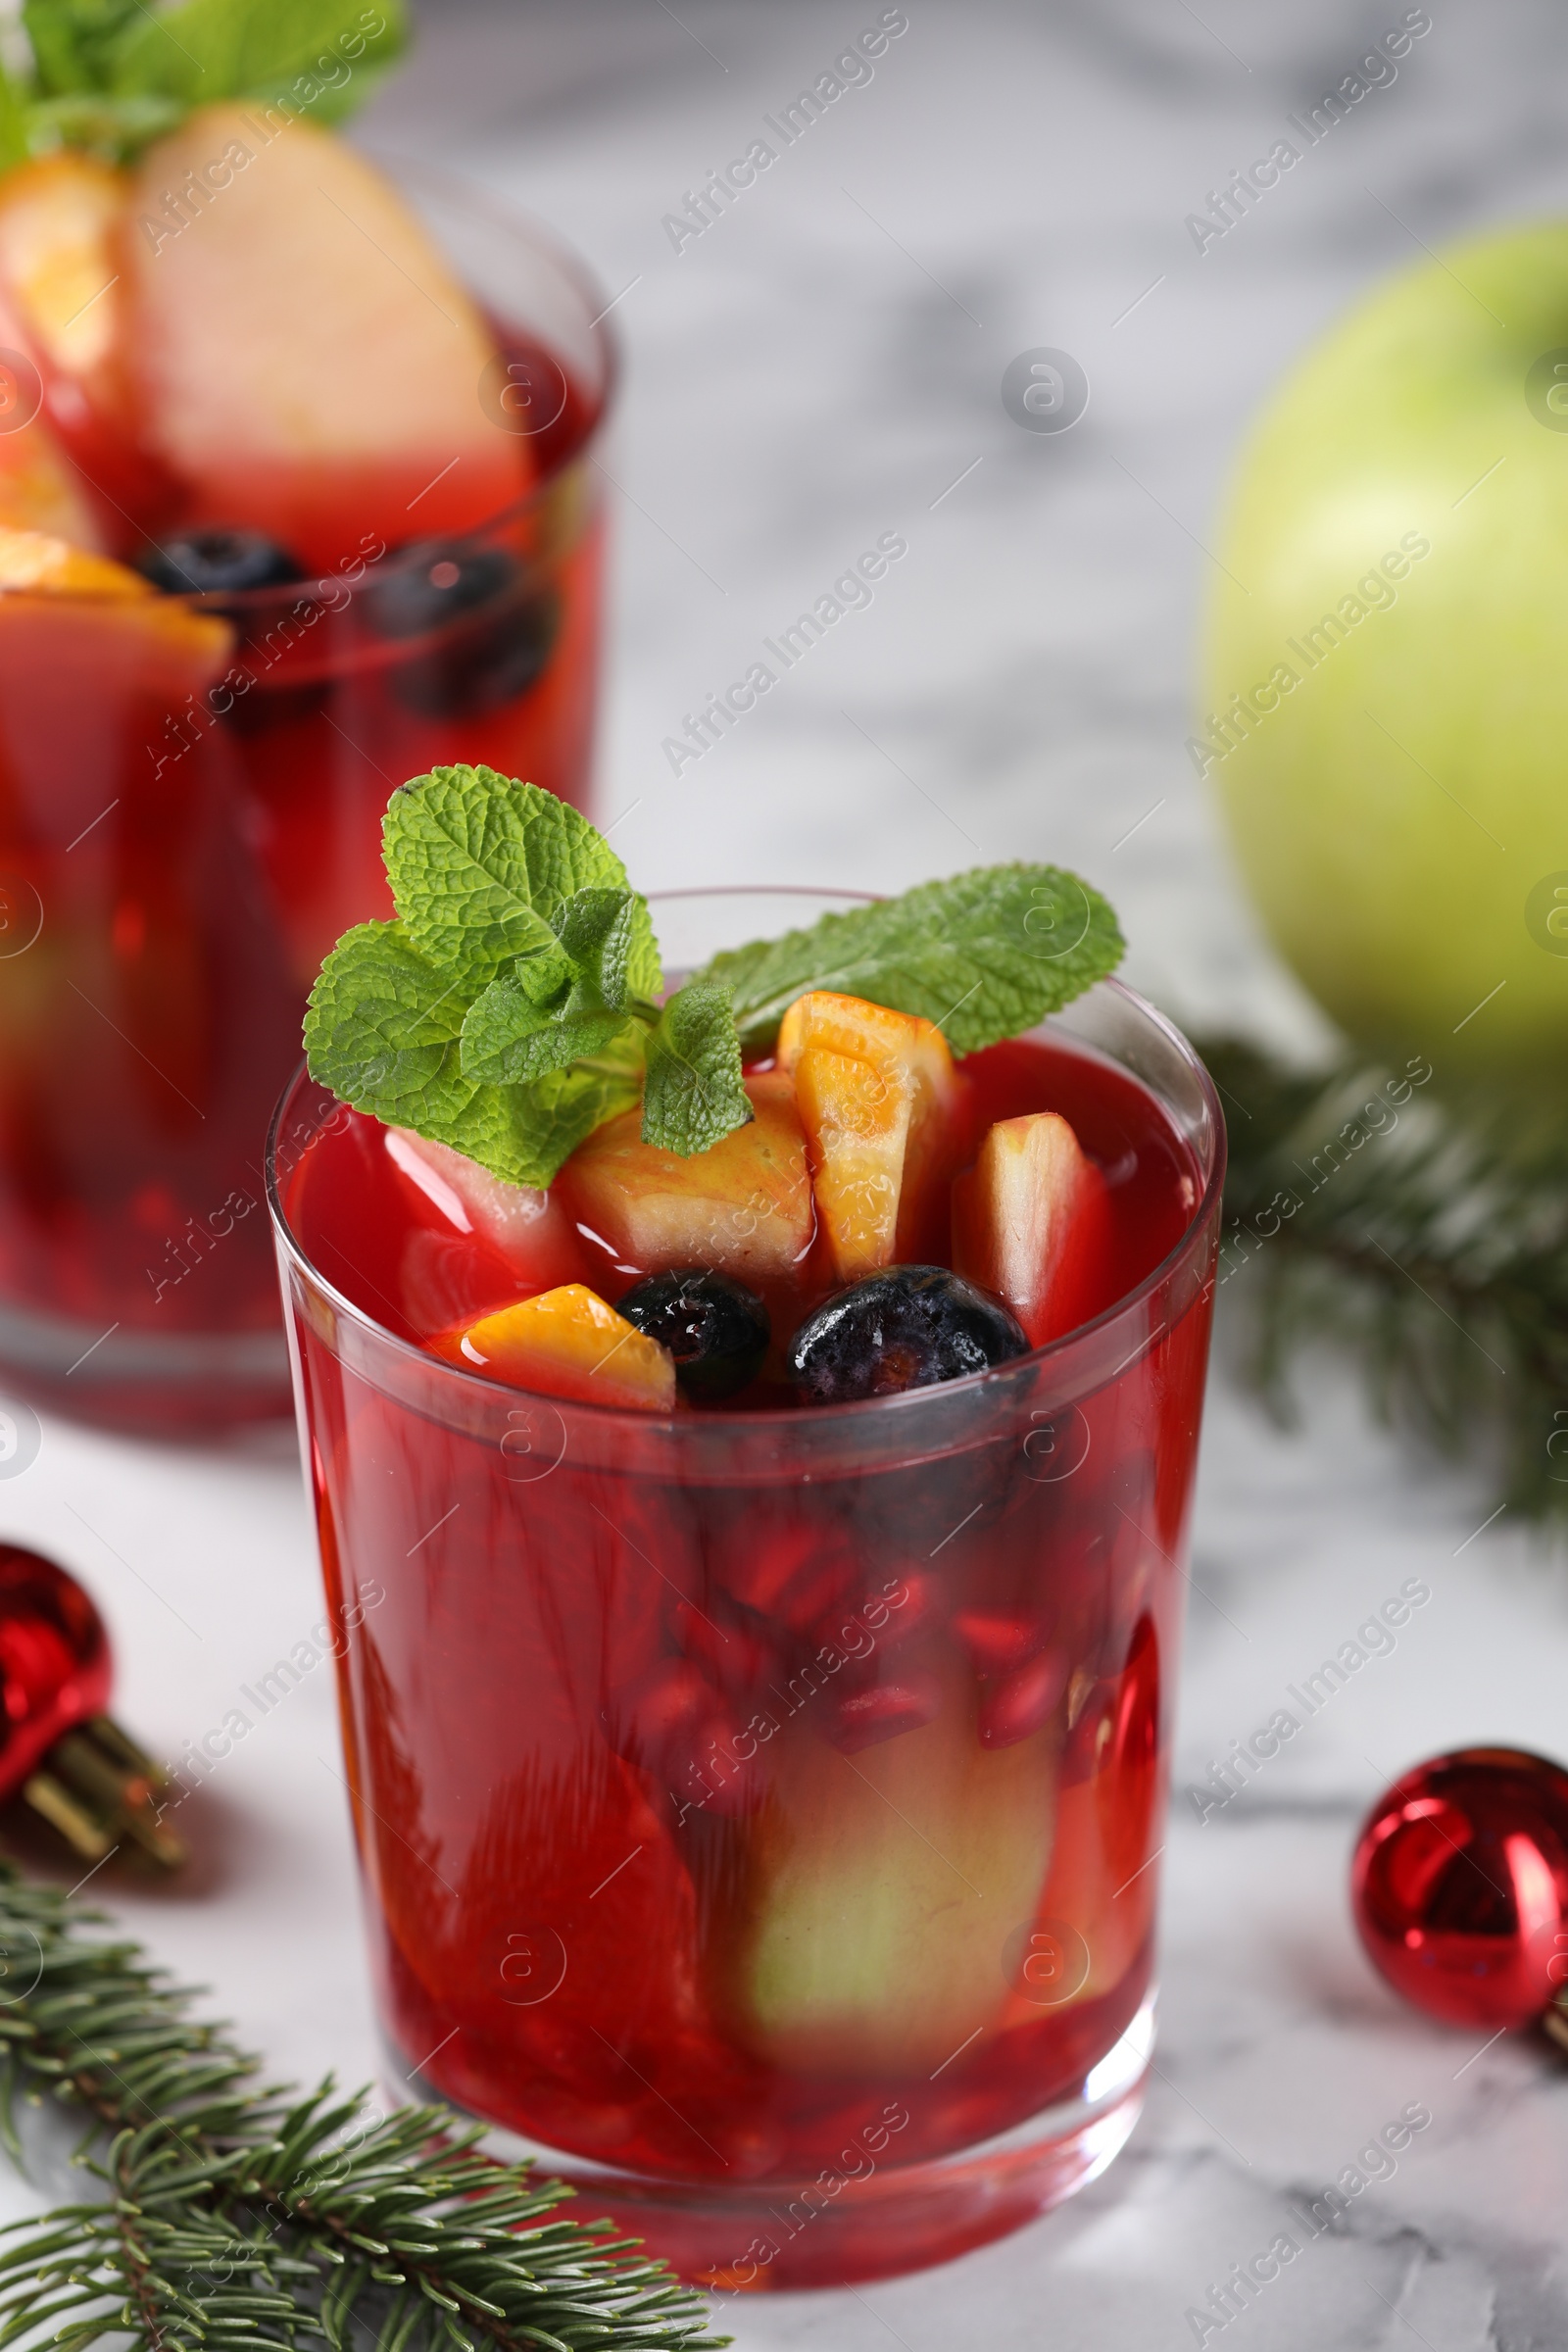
<point>474,1242</point>
<point>529,1229</point>
<point>883,1886</point>
<point>1100,1883</point>
<point>877,1096</point>
<point>1031,1221</point>
<point>568,1343</point>
<point>307,361</point>
<point>741,1207</point>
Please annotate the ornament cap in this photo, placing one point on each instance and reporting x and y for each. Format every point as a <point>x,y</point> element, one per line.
<point>100,1791</point>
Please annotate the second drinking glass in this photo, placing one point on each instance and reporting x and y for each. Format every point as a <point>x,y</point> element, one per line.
<point>191,791</point>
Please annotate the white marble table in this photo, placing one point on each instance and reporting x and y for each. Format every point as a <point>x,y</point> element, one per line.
<point>819,368</point>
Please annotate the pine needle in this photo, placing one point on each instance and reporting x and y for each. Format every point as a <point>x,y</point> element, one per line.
<point>235,2215</point>
<point>1427,1235</point>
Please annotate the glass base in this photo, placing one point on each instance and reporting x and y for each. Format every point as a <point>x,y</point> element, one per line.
<point>833,2229</point>
<point>145,1383</point>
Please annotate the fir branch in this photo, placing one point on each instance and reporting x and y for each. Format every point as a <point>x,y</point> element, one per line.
<point>233,2217</point>
<point>1428,1235</point>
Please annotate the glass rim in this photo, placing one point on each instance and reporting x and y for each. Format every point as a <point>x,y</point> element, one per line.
<point>775,1419</point>
<point>531,230</point>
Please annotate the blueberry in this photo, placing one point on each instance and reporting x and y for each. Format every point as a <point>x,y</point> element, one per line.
<point>908,1327</point>
<point>216,561</point>
<point>427,586</point>
<point>491,633</point>
<point>715,1328</point>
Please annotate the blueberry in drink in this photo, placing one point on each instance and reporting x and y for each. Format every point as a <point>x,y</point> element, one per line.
<point>904,1328</point>
<point>714,1328</point>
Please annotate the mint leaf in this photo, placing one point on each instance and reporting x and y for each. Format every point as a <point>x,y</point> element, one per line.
<point>519,1028</point>
<point>494,1013</point>
<point>985,956</point>
<point>309,51</point>
<point>113,75</point>
<point>508,1010</point>
<point>694,1094</point>
<point>509,1041</point>
<point>542,975</point>
<point>382,1030</point>
<point>597,930</point>
<point>114,127</point>
<point>14,119</point>
<point>524,1134</point>
<point>564,1110</point>
<point>75,42</point>
<point>478,864</point>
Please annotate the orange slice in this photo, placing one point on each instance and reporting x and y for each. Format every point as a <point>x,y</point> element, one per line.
<point>877,1095</point>
<point>37,563</point>
<point>38,493</point>
<point>568,1343</point>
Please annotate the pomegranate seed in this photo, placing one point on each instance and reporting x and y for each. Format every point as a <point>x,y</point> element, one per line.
<point>888,1614</point>
<point>1021,1701</point>
<point>734,1654</point>
<point>998,1643</point>
<point>668,1702</point>
<point>796,1576</point>
<point>865,1718</point>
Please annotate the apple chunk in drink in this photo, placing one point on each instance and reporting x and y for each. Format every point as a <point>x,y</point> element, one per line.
<point>774,1654</point>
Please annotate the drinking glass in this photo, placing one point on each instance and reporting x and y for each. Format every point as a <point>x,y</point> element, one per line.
<point>795,2005</point>
<point>185,834</point>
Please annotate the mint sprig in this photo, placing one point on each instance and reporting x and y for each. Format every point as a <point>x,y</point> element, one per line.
<point>112,76</point>
<point>479,865</point>
<point>511,1007</point>
<point>985,956</point>
<point>503,1011</point>
<point>563,999</point>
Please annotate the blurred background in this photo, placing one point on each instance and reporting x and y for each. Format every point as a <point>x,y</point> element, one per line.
<point>824,362</point>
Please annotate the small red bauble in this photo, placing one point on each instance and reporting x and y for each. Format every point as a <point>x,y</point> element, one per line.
<point>55,1666</point>
<point>59,1750</point>
<point>1460,1886</point>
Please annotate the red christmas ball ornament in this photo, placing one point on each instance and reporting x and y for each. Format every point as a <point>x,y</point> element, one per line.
<point>60,1752</point>
<point>1460,1886</point>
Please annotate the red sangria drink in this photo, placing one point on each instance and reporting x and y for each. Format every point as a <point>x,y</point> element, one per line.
<point>295,496</point>
<point>756,1509</point>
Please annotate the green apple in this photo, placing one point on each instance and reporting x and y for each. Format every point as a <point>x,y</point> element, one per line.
<point>1386,697</point>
